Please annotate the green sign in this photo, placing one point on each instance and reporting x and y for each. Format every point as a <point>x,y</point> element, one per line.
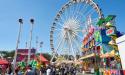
<point>104,20</point>
<point>109,18</point>
<point>22,64</point>
<point>101,21</point>
<point>97,36</point>
<point>33,63</point>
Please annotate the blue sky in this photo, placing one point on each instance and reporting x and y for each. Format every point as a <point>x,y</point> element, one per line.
<point>43,11</point>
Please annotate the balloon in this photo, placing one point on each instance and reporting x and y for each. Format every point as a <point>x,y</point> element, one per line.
<point>33,63</point>
<point>22,64</point>
<point>38,66</point>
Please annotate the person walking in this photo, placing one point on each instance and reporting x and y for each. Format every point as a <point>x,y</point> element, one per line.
<point>53,70</point>
<point>43,70</point>
<point>9,69</point>
<point>29,71</point>
<point>48,71</point>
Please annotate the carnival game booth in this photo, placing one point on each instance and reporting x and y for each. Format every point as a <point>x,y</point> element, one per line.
<point>100,50</point>
<point>22,58</point>
<point>90,52</point>
<point>109,51</point>
<point>37,62</point>
<point>3,65</point>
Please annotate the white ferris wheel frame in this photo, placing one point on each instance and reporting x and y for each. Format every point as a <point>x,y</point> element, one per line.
<point>58,16</point>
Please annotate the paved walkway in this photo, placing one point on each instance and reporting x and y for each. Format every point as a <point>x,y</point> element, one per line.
<point>83,74</point>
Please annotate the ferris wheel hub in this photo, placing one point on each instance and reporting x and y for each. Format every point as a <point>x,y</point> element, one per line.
<point>71,24</point>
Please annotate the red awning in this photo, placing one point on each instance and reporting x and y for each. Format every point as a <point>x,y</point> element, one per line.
<point>3,62</point>
<point>42,58</point>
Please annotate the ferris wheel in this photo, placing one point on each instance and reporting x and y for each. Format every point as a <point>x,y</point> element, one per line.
<point>71,24</point>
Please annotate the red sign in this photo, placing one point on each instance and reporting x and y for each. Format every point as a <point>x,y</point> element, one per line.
<point>22,54</point>
<point>25,51</point>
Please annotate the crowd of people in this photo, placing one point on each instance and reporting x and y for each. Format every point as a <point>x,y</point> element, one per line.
<point>51,69</point>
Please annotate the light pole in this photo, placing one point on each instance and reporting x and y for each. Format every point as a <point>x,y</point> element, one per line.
<point>37,47</point>
<point>26,45</point>
<point>41,44</point>
<point>30,42</point>
<point>18,40</point>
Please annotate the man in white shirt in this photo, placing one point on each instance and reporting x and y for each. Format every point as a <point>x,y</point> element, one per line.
<point>48,71</point>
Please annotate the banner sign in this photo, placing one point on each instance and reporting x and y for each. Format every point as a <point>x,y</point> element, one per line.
<point>22,54</point>
<point>25,51</point>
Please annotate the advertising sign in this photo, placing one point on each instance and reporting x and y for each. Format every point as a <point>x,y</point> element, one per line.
<point>110,31</point>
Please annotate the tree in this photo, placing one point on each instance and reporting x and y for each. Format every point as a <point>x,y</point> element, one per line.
<point>11,53</point>
<point>7,54</point>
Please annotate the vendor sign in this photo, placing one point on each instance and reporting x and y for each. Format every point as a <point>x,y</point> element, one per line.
<point>97,36</point>
<point>110,31</point>
<point>91,43</point>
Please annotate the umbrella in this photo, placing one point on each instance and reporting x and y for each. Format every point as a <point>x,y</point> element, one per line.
<point>3,62</point>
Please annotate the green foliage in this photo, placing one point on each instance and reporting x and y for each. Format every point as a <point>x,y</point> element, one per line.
<point>47,56</point>
<point>33,63</point>
<point>7,54</point>
<point>22,64</point>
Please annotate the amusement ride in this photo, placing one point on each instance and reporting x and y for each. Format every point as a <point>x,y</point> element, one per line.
<point>70,26</point>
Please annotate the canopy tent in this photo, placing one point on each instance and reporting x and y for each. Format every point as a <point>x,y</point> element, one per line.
<point>60,59</point>
<point>41,58</point>
<point>3,62</point>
